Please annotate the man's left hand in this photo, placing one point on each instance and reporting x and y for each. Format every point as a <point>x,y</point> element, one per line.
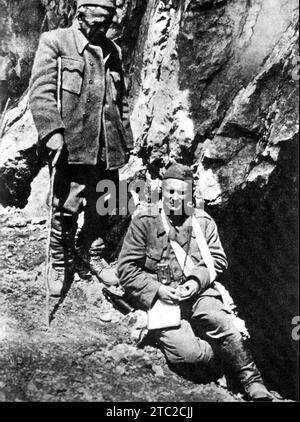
<point>188,289</point>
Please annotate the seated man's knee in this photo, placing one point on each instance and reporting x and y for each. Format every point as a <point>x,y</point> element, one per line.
<point>196,351</point>
<point>183,355</point>
<point>219,321</point>
<point>183,346</point>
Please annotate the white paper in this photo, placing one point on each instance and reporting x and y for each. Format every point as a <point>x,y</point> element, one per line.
<point>163,315</point>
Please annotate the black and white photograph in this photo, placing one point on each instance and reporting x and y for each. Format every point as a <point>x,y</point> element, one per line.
<point>149,178</point>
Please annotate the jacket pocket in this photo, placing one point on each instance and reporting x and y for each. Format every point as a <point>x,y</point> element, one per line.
<point>153,257</point>
<point>72,74</point>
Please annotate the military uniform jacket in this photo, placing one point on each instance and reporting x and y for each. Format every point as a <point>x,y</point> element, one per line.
<point>146,244</point>
<point>93,102</point>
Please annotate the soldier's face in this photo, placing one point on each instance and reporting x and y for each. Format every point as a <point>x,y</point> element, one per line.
<point>176,196</point>
<point>95,21</point>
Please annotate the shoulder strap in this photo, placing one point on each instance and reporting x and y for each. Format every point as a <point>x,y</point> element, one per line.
<point>204,249</point>
<point>184,260</point>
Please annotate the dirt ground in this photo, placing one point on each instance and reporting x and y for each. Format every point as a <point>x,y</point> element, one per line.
<point>87,354</point>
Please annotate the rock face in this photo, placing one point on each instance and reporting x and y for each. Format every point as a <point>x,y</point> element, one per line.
<point>211,89</point>
<point>18,162</point>
<point>20,24</point>
<point>213,84</point>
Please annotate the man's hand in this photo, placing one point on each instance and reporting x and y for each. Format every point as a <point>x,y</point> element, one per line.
<point>187,290</point>
<point>167,294</point>
<point>55,144</point>
<point>109,277</point>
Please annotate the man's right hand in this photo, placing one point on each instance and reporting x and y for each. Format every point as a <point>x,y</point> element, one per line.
<point>167,294</point>
<point>109,277</point>
<point>55,144</point>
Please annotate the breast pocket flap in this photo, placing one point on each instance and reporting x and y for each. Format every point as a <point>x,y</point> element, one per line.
<point>72,75</point>
<point>153,257</point>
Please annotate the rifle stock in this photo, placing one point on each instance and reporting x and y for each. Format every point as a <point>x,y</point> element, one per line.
<point>117,301</point>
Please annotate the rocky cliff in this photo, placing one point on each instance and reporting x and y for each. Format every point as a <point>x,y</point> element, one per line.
<point>213,84</point>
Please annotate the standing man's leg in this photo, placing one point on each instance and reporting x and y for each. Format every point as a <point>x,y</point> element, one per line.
<point>69,190</point>
<point>91,239</point>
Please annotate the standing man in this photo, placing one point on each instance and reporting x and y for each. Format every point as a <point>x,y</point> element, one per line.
<point>91,131</point>
<point>168,239</point>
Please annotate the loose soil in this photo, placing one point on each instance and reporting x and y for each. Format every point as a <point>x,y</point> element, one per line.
<point>88,353</point>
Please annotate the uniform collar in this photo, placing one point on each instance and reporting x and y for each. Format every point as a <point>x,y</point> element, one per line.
<point>160,226</point>
<point>184,231</point>
<point>81,40</point>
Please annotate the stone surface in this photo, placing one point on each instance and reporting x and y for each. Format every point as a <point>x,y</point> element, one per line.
<point>213,84</point>
<point>36,207</point>
<point>19,164</point>
<point>20,24</point>
<point>211,89</point>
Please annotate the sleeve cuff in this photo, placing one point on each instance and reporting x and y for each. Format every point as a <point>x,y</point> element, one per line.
<point>149,294</point>
<point>201,275</point>
<point>45,134</point>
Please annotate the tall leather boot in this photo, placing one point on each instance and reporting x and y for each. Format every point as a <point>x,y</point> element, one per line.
<point>240,362</point>
<point>88,255</point>
<point>62,248</point>
<point>62,241</point>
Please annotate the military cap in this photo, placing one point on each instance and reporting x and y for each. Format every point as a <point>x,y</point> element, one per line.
<point>178,171</point>
<point>105,3</point>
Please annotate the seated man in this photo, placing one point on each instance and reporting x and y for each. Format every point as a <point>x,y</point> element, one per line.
<point>168,236</point>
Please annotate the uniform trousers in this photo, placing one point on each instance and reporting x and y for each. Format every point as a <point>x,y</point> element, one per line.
<point>207,334</point>
<point>75,191</point>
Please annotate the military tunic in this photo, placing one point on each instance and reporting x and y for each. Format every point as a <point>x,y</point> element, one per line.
<point>206,332</point>
<point>146,244</point>
<point>94,123</point>
<point>93,101</point>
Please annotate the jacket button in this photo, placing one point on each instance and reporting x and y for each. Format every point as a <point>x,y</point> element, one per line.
<point>88,100</point>
<point>85,115</point>
<point>90,81</point>
<point>91,63</point>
